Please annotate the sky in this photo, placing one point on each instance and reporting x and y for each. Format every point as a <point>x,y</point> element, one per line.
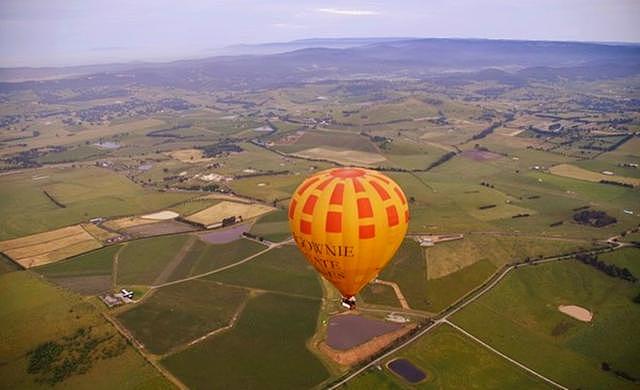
<point>78,32</point>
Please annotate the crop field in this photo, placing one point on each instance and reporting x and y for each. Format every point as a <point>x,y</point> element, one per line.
<point>127,222</point>
<point>451,361</point>
<point>190,156</point>
<point>203,257</point>
<point>90,273</point>
<point>334,139</point>
<point>181,313</point>
<point>44,248</point>
<point>85,192</point>
<point>269,341</point>
<point>273,226</point>
<point>142,261</point>
<point>281,269</point>
<point>225,209</point>
<point>34,312</point>
<point>524,316</point>
<point>583,174</point>
<point>192,206</point>
<point>344,157</point>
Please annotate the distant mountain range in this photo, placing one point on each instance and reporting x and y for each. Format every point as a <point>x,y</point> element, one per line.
<point>316,60</point>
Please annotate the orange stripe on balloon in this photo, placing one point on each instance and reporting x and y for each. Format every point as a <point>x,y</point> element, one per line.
<point>381,178</point>
<point>305,227</point>
<point>400,195</point>
<point>334,222</point>
<point>392,216</point>
<point>338,194</point>
<point>364,208</point>
<point>381,191</point>
<point>357,185</point>
<point>310,204</point>
<point>292,208</point>
<point>367,231</point>
<point>325,183</point>
<point>306,185</point>
<point>406,216</point>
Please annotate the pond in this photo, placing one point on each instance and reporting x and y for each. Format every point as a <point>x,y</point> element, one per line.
<point>406,370</point>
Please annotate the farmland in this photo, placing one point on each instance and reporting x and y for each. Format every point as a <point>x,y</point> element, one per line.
<point>577,349</point>
<point>181,313</point>
<point>34,312</point>
<point>44,248</point>
<point>129,179</point>
<point>451,361</point>
<point>268,339</point>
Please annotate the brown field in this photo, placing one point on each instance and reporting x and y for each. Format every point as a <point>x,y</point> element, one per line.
<point>574,172</point>
<point>577,312</point>
<point>48,247</point>
<point>224,209</point>
<point>345,157</point>
<point>191,156</point>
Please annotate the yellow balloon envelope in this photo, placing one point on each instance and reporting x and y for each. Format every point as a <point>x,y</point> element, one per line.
<point>348,223</point>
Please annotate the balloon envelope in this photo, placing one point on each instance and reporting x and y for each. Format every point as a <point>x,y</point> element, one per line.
<point>348,223</point>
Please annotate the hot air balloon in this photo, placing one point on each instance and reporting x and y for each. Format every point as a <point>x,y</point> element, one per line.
<point>348,223</point>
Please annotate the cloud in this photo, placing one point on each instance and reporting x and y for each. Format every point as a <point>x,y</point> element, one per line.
<point>348,12</point>
<point>287,25</point>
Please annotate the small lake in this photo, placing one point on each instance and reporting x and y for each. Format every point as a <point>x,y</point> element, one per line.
<point>406,370</point>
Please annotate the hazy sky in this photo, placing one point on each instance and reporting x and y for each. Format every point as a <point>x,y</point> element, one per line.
<point>61,32</point>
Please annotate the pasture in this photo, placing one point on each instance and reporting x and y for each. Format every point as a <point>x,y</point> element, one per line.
<point>451,361</point>
<point>268,341</point>
<point>141,262</point>
<point>524,317</point>
<point>202,257</point>
<point>281,269</point>
<point>181,313</point>
<point>90,273</point>
<point>85,192</point>
<point>216,213</point>
<point>33,312</point>
<point>49,247</point>
<point>343,157</point>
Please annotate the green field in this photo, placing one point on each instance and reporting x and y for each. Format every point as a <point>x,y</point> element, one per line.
<point>451,361</point>
<point>85,192</point>
<point>523,314</point>
<point>624,258</point>
<point>379,294</point>
<point>142,261</point>
<point>273,226</point>
<point>88,274</point>
<point>265,349</point>
<point>33,312</point>
<point>281,269</point>
<point>203,257</point>
<point>180,313</point>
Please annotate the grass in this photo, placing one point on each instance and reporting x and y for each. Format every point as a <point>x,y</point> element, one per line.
<point>379,294</point>
<point>99,262</point>
<point>203,257</point>
<point>265,349</point>
<point>142,261</point>
<point>177,314</point>
<point>86,192</point>
<point>193,206</point>
<point>282,269</point>
<point>523,314</point>
<point>273,226</point>
<point>33,312</point>
<point>451,361</point>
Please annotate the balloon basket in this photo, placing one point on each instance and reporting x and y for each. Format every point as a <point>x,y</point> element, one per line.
<point>349,303</point>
